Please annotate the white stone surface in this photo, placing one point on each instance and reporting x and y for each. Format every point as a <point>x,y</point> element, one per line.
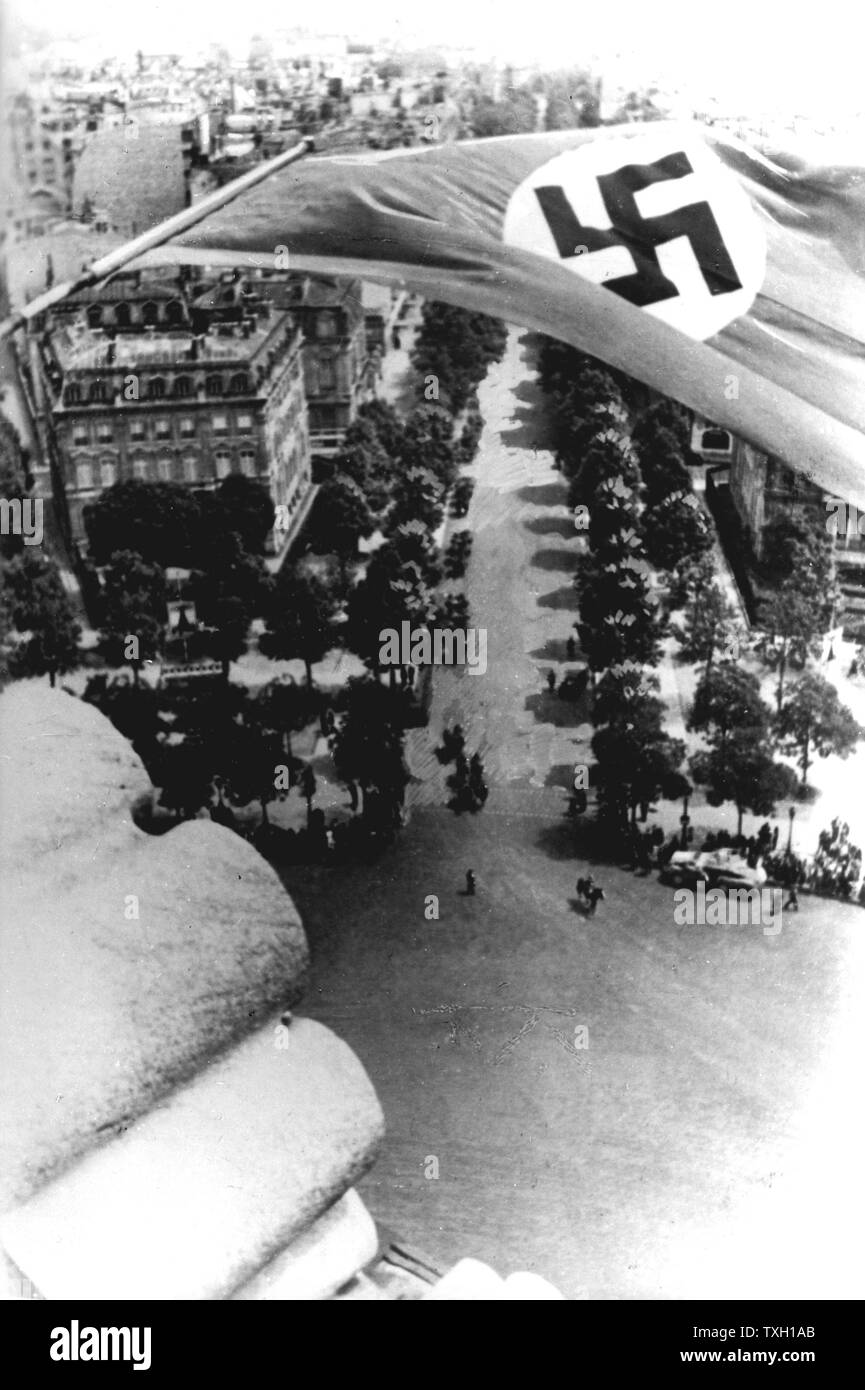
<point>322,1259</point>
<point>127,961</point>
<point>211,1185</point>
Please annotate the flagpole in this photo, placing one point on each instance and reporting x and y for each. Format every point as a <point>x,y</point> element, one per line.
<point>179,222</point>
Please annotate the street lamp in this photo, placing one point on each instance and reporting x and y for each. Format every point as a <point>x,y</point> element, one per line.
<point>792,815</point>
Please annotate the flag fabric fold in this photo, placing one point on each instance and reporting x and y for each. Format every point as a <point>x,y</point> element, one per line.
<point>729,279</point>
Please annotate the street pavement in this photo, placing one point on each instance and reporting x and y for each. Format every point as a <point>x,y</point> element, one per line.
<point>630,1107</point>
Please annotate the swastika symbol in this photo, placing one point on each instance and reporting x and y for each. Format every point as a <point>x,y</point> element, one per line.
<point>641,236</point>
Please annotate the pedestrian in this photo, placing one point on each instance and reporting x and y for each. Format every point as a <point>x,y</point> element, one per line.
<point>470,884</point>
<point>572,649</point>
<point>792,904</point>
<point>551,681</point>
<point>775,838</point>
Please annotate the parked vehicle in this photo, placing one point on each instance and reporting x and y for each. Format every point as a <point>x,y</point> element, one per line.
<point>719,868</point>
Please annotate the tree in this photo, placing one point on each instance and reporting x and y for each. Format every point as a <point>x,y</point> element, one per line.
<point>248,763</point>
<point>456,346</point>
<point>308,788</point>
<point>782,540</point>
<point>619,621</point>
<point>133,606</point>
<point>366,462</point>
<point>607,459</point>
<point>614,519</point>
<point>804,605</point>
<point>13,480</point>
<point>42,613</point>
<point>709,628</point>
<point>620,689</point>
<point>743,770</point>
<point>663,426</point>
<point>428,442</point>
<point>793,618</point>
<point>813,720</point>
<point>231,592</point>
<point>7,638</point>
<point>299,620</point>
<point>185,774</point>
<point>161,522</point>
<point>368,743</point>
<point>676,529</point>
<point>728,698</point>
<point>399,586</point>
<point>515,114</point>
<point>636,760</point>
<point>282,707</point>
<point>662,464</point>
<point>417,496</point>
<point>247,511</point>
<point>382,419</point>
<point>344,516</point>
<point>573,99</point>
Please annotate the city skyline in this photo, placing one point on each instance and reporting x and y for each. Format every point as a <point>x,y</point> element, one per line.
<point>751,56</point>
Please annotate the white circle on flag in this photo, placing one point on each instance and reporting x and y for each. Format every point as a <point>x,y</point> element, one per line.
<point>690,233</point>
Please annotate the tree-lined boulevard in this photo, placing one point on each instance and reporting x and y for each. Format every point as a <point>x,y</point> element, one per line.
<point>710,1098</point>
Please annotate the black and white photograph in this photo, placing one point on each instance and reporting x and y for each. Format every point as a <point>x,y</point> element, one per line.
<point>432,651</point>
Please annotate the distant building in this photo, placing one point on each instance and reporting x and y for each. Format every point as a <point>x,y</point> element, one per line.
<point>134,174</point>
<point>167,378</point>
<point>45,140</point>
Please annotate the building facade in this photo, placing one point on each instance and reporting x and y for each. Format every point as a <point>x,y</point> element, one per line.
<point>339,370</point>
<point>763,488</point>
<point>169,379</point>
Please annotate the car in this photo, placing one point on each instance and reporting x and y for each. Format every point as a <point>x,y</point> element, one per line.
<point>720,868</point>
<point>683,870</point>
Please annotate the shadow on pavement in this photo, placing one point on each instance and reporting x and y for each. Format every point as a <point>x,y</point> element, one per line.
<point>554,649</point>
<point>552,526</point>
<point>565,597</point>
<point>573,839</point>
<point>549,709</point>
<point>544,494</point>
<point>554,560</point>
<point>560,775</point>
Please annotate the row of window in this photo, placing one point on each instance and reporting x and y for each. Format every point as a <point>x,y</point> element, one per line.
<point>156,388</point>
<point>168,470</point>
<point>162,427</point>
<point>123,315</point>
